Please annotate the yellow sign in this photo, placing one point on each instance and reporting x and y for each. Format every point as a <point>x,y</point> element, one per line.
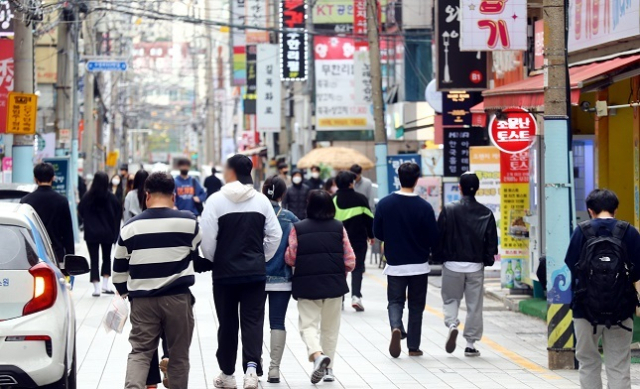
<point>112,158</point>
<point>21,113</point>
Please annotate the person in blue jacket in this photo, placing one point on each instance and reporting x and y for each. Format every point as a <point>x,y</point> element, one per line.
<point>278,276</point>
<point>190,195</point>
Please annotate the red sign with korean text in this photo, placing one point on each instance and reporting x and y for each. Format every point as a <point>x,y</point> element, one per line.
<point>538,44</point>
<point>6,79</point>
<point>514,132</point>
<point>514,168</point>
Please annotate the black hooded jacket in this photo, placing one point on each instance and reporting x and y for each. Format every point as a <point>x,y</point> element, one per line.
<point>296,199</point>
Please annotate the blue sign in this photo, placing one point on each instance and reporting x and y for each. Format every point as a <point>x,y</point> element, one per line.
<point>107,66</point>
<point>393,163</point>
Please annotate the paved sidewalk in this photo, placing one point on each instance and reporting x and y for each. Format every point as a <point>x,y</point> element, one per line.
<point>513,349</point>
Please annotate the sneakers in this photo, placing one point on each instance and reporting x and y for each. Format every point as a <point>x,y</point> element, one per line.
<point>164,365</point>
<point>451,339</point>
<point>320,368</point>
<point>328,375</point>
<point>225,381</point>
<point>395,348</point>
<point>471,352</point>
<point>250,381</point>
<point>356,303</point>
<point>415,353</point>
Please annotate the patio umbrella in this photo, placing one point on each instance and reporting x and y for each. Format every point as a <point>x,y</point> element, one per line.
<point>339,158</point>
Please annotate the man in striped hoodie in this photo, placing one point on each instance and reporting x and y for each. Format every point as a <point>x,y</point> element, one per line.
<point>154,267</point>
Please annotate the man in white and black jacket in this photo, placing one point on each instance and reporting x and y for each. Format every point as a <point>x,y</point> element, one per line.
<point>240,234</point>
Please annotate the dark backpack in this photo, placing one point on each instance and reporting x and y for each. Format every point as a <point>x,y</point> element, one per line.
<point>604,287</point>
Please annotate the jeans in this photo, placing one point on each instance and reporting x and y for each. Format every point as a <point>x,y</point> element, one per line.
<point>358,272</point>
<point>413,289</point>
<point>247,300</point>
<point>278,304</point>
<point>94,254</point>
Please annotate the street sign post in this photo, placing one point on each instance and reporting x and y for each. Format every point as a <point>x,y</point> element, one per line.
<point>21,113</point>
<point>105,65</point>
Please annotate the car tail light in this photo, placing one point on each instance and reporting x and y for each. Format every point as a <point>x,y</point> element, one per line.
<point>45,289</point>
<point>31,338</point>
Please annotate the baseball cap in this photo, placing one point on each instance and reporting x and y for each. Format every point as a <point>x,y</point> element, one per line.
<point>469,182</point>
<point>242,166</point>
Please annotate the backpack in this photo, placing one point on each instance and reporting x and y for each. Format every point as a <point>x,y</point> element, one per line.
<point>604,287</point>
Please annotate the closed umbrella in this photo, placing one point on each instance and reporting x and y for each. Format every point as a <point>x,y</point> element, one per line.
<point>339,158</point>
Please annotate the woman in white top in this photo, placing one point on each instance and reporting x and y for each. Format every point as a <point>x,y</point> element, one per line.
<point>134,203</point>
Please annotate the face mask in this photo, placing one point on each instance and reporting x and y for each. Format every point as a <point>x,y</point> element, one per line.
<point>285,173</point>
<point>334,189</point>
<point>184,172</point>
<point>115,181</point>
<point>315,175</point>
<point>296,179</point>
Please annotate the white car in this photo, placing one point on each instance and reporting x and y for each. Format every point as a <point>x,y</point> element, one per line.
<point>37,319</point>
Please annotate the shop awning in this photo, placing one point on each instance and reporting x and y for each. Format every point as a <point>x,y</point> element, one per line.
<point>529,93</point>
<point>478,116</point>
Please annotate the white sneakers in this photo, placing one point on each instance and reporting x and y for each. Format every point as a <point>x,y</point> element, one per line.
<point>229,382</point>
<point>250,381</point>
<point>450,346</point>
<point>320,366</point>
<point>328,375</point>
<point>356,303</point>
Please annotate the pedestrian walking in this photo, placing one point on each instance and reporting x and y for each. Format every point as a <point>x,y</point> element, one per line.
<point>212,183</point>
<point>321,254</point>
<point>330,186</point>
<point>53,210</point>
<point>120,182</point>
<point>364,186</point>
<point>468,242</point>
<point>154,268</point>
<point>278,276</point>
<point>604,260</point>
<point>102,212</point>
<point>406,224</point>
<point>352,209</point>
<point>283,172</point>
<point>296,198</point>
<point>240,234</point>
<point>135,202</point>
<point>315,182</point>
<point>190,195</point>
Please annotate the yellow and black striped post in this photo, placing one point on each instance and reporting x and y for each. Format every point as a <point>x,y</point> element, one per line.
<point>560,325</point>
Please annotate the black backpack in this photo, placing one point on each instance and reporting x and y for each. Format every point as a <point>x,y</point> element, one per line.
<point>604,287</point>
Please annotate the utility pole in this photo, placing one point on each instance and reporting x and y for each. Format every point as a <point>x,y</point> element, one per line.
<point>557,188</point>
<point>378,103</point>
<point>75,113</point>
<point>89,136</point>
<point>210,148</point>
<point>22,150</point>
<point>63,85</point>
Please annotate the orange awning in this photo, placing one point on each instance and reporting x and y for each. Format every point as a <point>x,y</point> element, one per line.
<point>529,93</point>
<point>478,116</point>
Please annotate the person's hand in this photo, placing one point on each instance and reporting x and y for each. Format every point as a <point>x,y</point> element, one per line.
<point>196,199</point>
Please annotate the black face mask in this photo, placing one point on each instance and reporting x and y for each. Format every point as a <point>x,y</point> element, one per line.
<point>184,172</point>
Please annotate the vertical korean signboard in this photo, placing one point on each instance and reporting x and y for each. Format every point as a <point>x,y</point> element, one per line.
<point>256,12</point>
<point>239,41</point>
<point>360,22</point>
<point>362,76</point>
<point>457,142</point>
<point>6,79</point>
<point>252,85</point>
<point>293,40</point>
<point>493,25</point>
<point>456,70</point>
<point>268,101</point>
<point>336,106</point>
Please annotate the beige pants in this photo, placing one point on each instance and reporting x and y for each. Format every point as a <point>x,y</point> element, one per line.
<point>319,325</point>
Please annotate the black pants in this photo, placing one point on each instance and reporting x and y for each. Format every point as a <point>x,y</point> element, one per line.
<point>358,272</point>
<point>414,289</point>
<point>250,297</point>
<point>154,372</point>
<point>94,254</point>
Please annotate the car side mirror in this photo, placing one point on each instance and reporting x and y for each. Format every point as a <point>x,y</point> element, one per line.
<point>76,265</point>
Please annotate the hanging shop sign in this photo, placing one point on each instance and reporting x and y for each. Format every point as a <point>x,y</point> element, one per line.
<point>293,40</point>
<point>362,77</point>
<point>360,22</point>
<point>457,142</point>
<point>239,42</point>
<point>252,81</point>
<point>538,44</point>
<point>514,131</point>
<point>268,99</point>
<point>492,25</point>
<point>456,107</point>
<point>21,113</point>
<point>336,107</point>
<point>393,163</point>
<point>7,17</point>
<point>456,70</point>
<point>256,12</point>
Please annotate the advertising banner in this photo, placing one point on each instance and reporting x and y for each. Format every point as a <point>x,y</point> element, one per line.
<point>6,79</point>
<point>268,99</point>
<point>336,108</point>
<point>515,133</point>
<point>239,42</point>
<point>362,77</point>
<point>432,164</point>
<point>430,189</point>
<point>493,25</point>
<point>456,107</point>
<point>252,80</point>
<point>538,44</point>
<point>456,70</point>
<point>451,192</point>
<point>594,23</point>
<point>256,12</point>
<point>393,163</point>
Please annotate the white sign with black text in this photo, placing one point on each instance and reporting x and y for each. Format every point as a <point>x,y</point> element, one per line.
<point>268,92</point>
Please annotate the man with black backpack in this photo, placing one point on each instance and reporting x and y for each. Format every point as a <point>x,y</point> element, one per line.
<point>604,259</point>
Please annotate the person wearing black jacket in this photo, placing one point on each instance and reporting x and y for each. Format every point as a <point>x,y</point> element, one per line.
<point>53,209</point>
<point>352,209</point>
<point>101,211</point>
<point>212,183</point>
<point>468,243</point>
<point>296,198</point>
<point>315,182</point>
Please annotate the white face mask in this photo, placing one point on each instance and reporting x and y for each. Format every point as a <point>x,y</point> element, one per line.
<point>334,189</point>
<point>315,175</point>
<point>115,181</point>
<point>296,179</point>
